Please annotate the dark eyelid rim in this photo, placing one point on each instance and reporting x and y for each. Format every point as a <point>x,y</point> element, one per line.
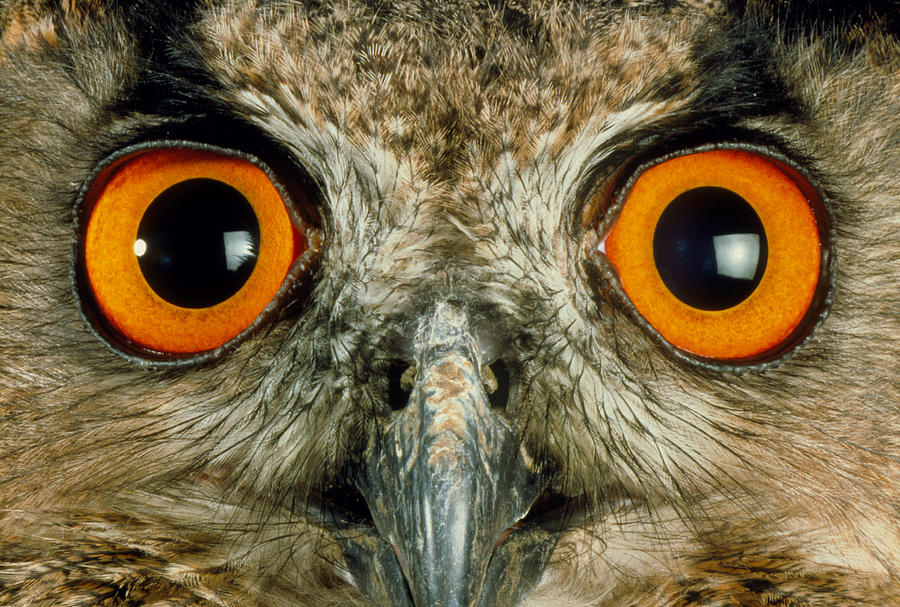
<point>618,184</point>
<point>301,209</point>
<point>633,152</point>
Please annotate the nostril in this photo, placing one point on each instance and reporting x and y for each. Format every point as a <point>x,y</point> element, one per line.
<point>499,395</point>
<point>555,510</point>
<point>345,504</point>
<point>400,379</point>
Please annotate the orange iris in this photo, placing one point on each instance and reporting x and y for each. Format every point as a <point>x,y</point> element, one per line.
<point>779,281</point>
<point>130,266</point>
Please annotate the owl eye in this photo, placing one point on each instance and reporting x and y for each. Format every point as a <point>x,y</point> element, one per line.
<point>184,248</point>
<point>721,252</point>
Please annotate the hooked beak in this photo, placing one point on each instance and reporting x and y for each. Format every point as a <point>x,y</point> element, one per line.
<point>445,481</point>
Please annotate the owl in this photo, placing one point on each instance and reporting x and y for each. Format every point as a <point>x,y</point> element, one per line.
<point>476,303</point>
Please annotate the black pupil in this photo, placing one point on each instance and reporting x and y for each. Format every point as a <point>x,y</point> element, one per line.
<point>197,243</point>
<point>710,248</point>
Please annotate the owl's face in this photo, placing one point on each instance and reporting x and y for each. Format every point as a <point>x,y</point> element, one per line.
<point>448,304</point>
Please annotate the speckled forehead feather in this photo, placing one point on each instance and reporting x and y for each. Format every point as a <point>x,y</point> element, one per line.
<point>451,86</point>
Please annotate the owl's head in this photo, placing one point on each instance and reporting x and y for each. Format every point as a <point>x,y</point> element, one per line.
<point>414,303</point>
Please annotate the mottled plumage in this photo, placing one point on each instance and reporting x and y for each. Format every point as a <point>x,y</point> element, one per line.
<point>452,154</point>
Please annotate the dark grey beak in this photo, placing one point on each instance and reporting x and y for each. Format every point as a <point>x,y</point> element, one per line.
<point>445,482</point>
